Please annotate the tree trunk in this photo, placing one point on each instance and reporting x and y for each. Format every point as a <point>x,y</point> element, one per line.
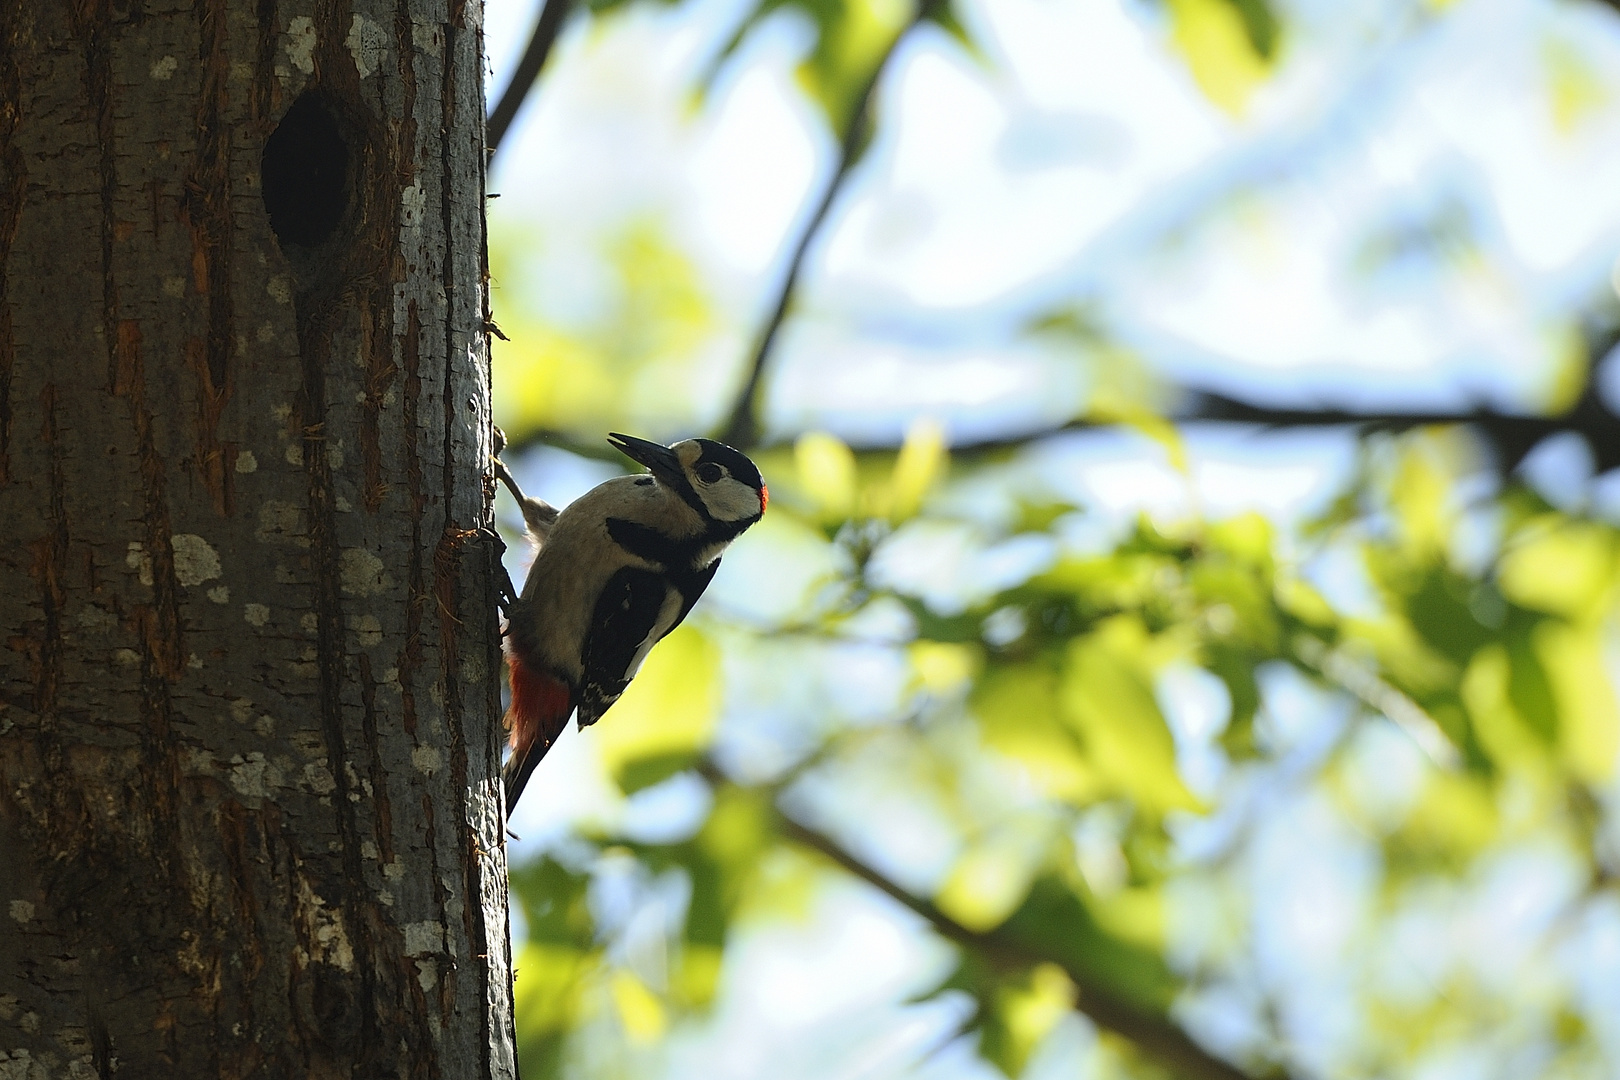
<point>250,818</point>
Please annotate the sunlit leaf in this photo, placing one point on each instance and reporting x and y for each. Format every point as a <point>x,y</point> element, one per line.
<point>1507,736</point>
<point>1455,818</point>
<point>667,714</point>
<point>640,1011</point>
<point>1018,708</point>
<point>851,37</point>
<point>921,462</point>
<point>1579,670</point>
<point>1133,915</point>
<point>630,365</point>
<point>1109,699</point>
<point>1576,89</point>
<point>987,883</point>
<point>943,668</point>
<point>826,473</point>
<point>1029,1010</point>
<point>547,1001</point>
<point>1566,568</point>
<point>1420,494</point>
<point>738,828</point>
<point>1296,597</point>
<point>1228,46</point>
<point>1571,364</point>
<point>1054,922</point>
<point>1239,602</point>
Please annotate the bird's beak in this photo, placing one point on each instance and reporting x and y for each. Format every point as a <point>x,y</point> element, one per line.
<point>660,459</point>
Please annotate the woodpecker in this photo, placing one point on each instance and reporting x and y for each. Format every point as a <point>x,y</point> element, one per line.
<point>615,571</point>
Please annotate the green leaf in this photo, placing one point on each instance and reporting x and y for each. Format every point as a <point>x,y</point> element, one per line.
<point>1107,695</point>
<point>851,38</point>
<point>1020,716</point>
<point>667,715</point>
<point>943,14</point>
<point>553,899</point>
<point>1439,609</point>
<point>1529,689</point>
<point>559,957</point>
<point>1054,923</point>
<point>1229,46</point>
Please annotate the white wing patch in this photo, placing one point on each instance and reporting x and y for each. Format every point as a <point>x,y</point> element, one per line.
<point>666,617</point>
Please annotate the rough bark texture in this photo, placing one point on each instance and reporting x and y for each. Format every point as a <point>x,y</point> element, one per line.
<point>249,798</point>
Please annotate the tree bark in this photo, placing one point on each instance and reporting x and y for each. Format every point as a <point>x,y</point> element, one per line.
<point>250,817</point>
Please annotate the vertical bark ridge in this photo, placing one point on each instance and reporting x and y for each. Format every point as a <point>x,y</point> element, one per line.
<point>264,102</point>
<point>417,593</point>
<point>13,185</point>
<point>448,563</point>
<point>410,656</point>
<point>206,206</point>
<point>441,906</point>
<point>50,567</point>
<point>381,806</point>
<point>157,623</point>
<point>91,19</point>
<point>380,375</point>
<point>315,351</point>
<point>242,833</point>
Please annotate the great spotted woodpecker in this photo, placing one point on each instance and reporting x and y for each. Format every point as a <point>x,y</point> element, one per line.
<point>616,570</point>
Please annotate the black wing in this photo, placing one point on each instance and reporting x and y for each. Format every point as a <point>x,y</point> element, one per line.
<point>691,588</point>
<point>626,613</point>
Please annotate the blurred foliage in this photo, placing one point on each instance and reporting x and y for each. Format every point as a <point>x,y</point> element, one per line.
<point>1112,746</point>
<point>851,38</point>
<point>1054,691</point>
<point>628,357</point>
<point>1229,45</point>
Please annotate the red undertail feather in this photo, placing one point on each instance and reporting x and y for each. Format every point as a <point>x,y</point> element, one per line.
<point>539,711</point>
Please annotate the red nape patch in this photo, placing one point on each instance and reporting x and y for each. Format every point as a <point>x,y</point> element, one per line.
<point>764,498</point>
<point>540,706</point>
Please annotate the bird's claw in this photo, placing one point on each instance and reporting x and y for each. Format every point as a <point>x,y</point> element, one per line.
<point>505,594</point>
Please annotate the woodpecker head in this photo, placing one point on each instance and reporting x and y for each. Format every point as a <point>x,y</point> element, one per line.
<point>719,482</point>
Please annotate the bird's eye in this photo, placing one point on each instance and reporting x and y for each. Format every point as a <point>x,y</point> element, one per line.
<point>709,472</point>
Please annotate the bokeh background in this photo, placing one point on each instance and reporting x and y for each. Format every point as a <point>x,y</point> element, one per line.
<point>1182,639</point>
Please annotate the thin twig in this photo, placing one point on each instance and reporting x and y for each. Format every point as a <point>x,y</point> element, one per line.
<point>546,28</point>
<point>742,429</point>
<point>1154,1034</point>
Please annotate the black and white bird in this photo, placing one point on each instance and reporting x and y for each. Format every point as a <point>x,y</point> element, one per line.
<point>616,570</point>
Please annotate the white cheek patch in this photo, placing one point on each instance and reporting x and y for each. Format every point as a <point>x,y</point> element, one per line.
<point>731,500</point>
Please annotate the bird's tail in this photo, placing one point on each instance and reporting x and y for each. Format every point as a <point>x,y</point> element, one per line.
<point>541,703</point>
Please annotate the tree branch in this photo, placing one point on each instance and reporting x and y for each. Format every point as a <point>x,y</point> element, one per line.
<point>546,28</point>
<point>1511,436</point>
<point>1155,1035</point>
<point>742,429</point>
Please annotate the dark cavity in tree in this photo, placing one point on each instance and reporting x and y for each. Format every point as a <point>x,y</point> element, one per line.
<point>306,174</point>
